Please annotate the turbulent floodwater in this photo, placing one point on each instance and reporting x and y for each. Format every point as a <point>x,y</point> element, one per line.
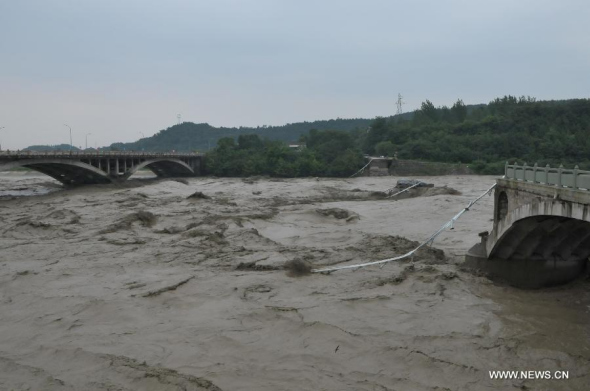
<point>141,287</point>
<point>24,184</point>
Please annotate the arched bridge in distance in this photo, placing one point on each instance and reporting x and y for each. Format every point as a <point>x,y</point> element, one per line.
<point>83,168</point>
<point>541,231</point>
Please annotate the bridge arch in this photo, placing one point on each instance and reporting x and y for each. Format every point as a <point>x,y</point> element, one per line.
<point>539,208</point>
<point>68,172</point>
<point>541,233</point>
<point>165,167</point>
<point>541,243</point>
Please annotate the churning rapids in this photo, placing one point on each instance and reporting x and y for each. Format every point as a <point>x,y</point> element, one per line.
<point>141,286</point>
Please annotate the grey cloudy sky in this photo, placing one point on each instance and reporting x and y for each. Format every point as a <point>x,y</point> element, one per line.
<point>115,68</point>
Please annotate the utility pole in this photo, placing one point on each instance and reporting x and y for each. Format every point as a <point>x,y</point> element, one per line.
<point>70,136</point>
<point>87,134</point>
<point>399,104</point>
<point>1,127</point>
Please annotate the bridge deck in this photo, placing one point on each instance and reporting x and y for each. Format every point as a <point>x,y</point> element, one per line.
<point>12,155</point>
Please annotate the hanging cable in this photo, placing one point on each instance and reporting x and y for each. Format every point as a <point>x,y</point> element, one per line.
<point>448,224</point>
<point>361,170</point>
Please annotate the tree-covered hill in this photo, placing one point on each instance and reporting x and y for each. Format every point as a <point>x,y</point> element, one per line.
<point>189,136</point>
<point>508,128</point>
<point>483,136</point>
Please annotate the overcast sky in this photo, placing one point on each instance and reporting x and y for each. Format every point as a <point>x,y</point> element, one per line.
<point>115,68</point>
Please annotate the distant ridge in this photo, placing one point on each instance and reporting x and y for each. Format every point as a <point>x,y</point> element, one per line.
<point>189,136</point>
<point>49,148</point>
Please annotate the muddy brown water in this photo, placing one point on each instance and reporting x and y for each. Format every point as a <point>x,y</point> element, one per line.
<point>143,288</point>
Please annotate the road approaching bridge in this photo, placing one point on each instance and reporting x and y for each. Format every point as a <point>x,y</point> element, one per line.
<point>80,168</point>
<point>541,232</point>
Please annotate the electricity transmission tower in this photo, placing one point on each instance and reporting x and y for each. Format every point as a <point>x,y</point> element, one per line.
<point>179,117</point>
<point>399,104</point>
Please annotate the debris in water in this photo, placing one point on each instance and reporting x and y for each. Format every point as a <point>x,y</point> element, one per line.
<point>338,213</point>
<point>199,195</point>
<point>167,288</point>
<point>405,183</point>
<point>297,268</point>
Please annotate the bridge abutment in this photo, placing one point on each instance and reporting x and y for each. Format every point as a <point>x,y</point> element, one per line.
<point>541,231</point>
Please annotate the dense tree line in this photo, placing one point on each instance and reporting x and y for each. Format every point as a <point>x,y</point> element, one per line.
<point>507,129</point>
<point>485,136</point>
<point>327,153</point>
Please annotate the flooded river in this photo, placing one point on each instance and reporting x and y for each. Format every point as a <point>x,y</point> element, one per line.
<point>141,287</point>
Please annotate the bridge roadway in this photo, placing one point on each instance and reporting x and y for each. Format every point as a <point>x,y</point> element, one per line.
<point>80,168</point>
<point>541,230</point>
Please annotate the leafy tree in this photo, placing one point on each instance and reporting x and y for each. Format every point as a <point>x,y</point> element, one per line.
<point>376,133</point>
<point>427,113</point>
<point>345,164</point>
<point>385,148</point>
<point>226,143</point>
<point>459,111</point>
<point>309,164</point>
<point>249,141</point>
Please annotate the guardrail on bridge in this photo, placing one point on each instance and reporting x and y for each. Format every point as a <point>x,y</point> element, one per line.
<point>94,154</point>
<point>559,177</point>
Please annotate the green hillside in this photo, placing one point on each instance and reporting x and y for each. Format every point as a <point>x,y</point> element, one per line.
<point>508,128</point>
<point>483,136</point>
<point>189,136</point>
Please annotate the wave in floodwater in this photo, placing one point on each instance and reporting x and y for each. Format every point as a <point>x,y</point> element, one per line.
<point>25,192</point>
<point>30,184</point>
<point>26,185</point>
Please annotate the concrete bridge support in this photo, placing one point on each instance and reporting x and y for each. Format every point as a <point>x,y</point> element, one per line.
<point>541,233</point>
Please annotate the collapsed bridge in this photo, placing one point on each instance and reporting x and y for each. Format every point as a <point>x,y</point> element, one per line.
<point>82,168</point>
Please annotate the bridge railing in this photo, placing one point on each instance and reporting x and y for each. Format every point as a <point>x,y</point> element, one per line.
<point>559,177</point>
<point>94,154</point>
